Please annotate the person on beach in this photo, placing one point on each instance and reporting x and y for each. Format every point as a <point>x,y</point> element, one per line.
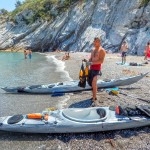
<point>30,54</point>
<point>147,51</point>
<point>66,56</point>
<point>25,54</point>
<point>124,49</point>
<point>96,59</point>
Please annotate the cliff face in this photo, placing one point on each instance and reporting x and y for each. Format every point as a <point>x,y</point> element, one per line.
<point>113,21</point>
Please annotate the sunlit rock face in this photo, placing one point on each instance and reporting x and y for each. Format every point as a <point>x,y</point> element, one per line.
<point>74,30</point>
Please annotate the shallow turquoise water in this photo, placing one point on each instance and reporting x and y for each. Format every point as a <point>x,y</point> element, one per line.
<point>16,71</point>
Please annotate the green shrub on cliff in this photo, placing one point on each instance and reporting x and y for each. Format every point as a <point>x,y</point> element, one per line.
<point>42,9</point>
<point>144,2</point>
<point>3,12</point>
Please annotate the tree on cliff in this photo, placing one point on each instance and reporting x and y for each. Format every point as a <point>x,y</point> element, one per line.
<point>18,3</point>
<point>3,12</point>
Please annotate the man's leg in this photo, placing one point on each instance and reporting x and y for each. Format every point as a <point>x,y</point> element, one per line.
<point>94,87</point>
<point>145,58</point>
<point>124,59</point>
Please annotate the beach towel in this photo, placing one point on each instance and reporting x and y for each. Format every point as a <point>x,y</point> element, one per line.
<point>120,63</point>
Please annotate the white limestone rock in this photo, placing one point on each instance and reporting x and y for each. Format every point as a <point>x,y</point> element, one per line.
<point>74,30</point>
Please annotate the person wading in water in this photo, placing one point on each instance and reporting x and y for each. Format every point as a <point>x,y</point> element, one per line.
<point>25,54</point>
<point>97,58</point>
<point>30,54</point>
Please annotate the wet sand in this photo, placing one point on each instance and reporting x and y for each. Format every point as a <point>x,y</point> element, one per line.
<point>123,139</point>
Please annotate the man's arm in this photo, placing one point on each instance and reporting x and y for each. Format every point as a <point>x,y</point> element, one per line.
<point>102,56</point>
<point>127,47</point>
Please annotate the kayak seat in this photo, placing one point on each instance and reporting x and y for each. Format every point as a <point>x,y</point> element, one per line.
<point>85,115</point>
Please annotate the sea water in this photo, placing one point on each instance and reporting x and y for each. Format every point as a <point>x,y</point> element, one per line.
<point>17,71</point>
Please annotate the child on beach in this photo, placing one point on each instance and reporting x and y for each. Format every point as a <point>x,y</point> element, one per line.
<point>124,49</point>
<point>66,56</point>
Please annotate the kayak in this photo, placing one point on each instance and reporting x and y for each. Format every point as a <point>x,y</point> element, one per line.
<point>72,86</point>
<point>72,120</point>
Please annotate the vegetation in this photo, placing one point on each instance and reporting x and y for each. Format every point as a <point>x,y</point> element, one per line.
<point>144,2</point>
<point>3,12</point>
<point>18,3</point>
<point>41,9</point>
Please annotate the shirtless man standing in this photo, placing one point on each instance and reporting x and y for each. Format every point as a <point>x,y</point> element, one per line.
<point>95,61</point>
<point>124,49</point>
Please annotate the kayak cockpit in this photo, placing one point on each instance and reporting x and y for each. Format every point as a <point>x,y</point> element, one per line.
<point>85,115</point>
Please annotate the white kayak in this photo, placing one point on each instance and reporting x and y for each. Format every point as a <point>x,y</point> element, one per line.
<point>72,86</point>
<point>73,120</point>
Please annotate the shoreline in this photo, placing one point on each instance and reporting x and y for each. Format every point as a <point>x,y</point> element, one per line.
<point>60,65</point>
<point>22,50</point>
<point>13,51</point>
<point>60,68</point>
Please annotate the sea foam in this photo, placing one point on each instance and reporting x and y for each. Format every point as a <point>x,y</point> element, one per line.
<point>60,67</point>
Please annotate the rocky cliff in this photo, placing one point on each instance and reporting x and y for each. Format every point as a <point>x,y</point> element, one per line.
<point>75,29</point>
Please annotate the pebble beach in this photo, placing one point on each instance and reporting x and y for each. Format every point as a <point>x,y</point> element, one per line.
<point>138,139</point>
